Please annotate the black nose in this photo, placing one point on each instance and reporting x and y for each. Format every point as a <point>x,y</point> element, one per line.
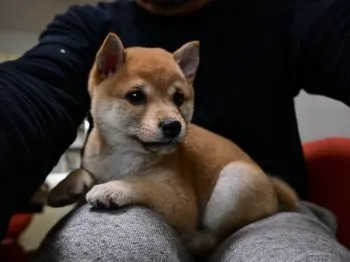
<point>170,128</point>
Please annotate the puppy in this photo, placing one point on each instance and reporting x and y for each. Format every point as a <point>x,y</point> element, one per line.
<point>144,150</point>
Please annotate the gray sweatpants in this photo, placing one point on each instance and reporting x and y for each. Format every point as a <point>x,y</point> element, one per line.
<point>137,234</point>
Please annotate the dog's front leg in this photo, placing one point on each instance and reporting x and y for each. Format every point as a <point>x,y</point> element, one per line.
<point>112,194</point>
<point>167,197</point>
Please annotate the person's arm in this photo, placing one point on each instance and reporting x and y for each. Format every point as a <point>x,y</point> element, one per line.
<point>319,52</point>
<point>43,100</point>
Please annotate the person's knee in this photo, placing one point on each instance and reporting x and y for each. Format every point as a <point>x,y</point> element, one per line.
<point>283,237</point>
<point>128,234</point>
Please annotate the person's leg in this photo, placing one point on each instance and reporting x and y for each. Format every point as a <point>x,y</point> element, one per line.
<point>128,234</point>
<point>307,236</point>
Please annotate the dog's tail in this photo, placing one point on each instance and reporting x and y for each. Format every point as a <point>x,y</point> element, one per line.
<point>285,194</point>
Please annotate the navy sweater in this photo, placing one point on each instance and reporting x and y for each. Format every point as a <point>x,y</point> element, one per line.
<point>255,58</point>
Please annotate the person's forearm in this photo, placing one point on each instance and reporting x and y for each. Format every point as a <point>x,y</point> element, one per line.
<point>43,99</point>
<point>38,123</point>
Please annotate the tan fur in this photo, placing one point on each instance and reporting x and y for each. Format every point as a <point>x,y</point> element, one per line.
<point>71,189</point>
<point>285,194</point>
<point>204,185</point>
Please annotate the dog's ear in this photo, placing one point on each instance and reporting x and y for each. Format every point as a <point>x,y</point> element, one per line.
<point>110,56</point>
<point>187,57</point>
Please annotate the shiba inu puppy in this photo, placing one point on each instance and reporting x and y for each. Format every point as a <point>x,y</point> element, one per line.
<point>144,150</point>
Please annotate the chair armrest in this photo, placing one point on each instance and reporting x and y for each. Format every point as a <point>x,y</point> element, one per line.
<point>328,163</point>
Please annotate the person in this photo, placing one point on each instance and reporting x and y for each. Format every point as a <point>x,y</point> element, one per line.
<point>255,58</point>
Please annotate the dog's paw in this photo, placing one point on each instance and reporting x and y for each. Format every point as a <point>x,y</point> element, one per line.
<point>61,197</point>
<point>71,189</point>
<point>110,195</point>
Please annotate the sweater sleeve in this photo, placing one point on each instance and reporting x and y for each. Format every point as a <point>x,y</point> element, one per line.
<point>43,99</point>
<point>319,52</point>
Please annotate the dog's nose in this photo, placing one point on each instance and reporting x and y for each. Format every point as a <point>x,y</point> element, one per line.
<point>170,128</point>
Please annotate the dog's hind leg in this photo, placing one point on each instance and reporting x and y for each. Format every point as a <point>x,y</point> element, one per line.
<point>242,194</point>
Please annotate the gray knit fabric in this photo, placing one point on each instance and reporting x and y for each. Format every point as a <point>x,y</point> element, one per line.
<point>292,237</point>
<point>128,234</point>
<point>137,234</point>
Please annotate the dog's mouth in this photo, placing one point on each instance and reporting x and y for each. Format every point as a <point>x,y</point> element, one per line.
<point>158,146</point>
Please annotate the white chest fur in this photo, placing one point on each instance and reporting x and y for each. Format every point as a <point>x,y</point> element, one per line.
<point>115,164</point>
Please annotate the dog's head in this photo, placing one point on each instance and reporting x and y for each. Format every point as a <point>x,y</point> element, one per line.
<point>143,94</point>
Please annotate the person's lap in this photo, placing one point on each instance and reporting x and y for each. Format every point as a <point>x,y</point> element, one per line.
<point>137,234</point>
<point>305,236</point>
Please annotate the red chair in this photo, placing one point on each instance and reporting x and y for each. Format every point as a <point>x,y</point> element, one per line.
<point>328,162</point>
<point>10,249</point>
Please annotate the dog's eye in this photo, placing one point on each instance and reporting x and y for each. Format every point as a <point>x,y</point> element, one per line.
<point>178,98</point>
<point>136,97</point>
